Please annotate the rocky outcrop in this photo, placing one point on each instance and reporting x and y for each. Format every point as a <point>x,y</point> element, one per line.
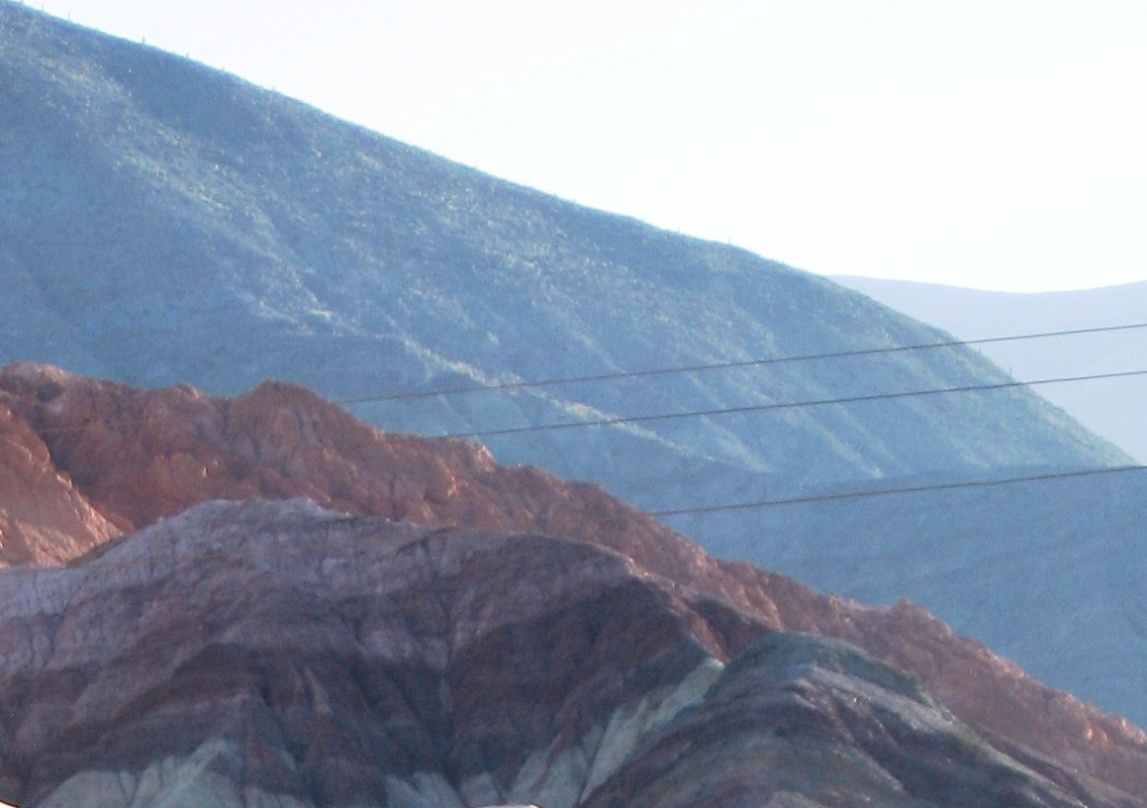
<point>797,720</point>
<point>132,457</point>
<point>44,518</point>
<point>141,455</point>
<point>275,654</point>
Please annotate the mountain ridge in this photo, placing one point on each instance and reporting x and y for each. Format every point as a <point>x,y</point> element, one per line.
<point>120,449</point>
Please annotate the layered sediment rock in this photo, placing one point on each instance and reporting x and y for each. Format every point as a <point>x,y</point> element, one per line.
<point>275,654</point>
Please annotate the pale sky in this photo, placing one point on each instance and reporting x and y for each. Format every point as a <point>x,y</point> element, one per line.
<point>997,144</point>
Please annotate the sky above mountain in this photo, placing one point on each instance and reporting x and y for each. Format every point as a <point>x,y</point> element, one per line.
<point>981,144</point>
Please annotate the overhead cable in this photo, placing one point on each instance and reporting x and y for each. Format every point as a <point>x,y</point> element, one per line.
<point>880,492</point>
<point>630,374</point>
<point>636,419</point>
<point>617,420</point>
<point>748,408</point>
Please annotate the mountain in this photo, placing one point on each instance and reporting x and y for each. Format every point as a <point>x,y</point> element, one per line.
<point>101,459</point>
<point>162,223</point>
<point>275,654</point>
<point>1108,407</point>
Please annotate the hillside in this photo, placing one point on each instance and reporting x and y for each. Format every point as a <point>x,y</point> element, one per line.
<point>164,223</point>
<point>1108,407</point>
<point>273,653</point>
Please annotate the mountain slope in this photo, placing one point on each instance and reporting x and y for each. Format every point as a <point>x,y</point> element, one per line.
<point>166,223</point>
<point>1109,407</point>
<point>278,654</point>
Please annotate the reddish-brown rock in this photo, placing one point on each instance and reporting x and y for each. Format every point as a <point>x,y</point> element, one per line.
<point>141,455</point>
<point>43,517</point>
<point>138,456</point>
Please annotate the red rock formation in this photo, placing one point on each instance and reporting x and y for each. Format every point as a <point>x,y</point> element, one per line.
<point>141,455</point>
<point>138,456</point>
<point>43,518</point>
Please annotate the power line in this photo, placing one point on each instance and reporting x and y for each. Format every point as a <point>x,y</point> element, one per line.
<point>617,420</point>
<point>792,405</point>
<point>619,375</point>
<point>633,419</point>
<point>798,500</point>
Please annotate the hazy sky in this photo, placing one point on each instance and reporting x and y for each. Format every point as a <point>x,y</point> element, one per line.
<point>995,144</point>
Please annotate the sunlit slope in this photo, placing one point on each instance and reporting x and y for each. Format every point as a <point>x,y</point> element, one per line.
<point>161,222</point>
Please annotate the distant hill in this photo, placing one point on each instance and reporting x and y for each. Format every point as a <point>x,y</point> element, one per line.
<point>163,223</point>
<point>1109,407</point>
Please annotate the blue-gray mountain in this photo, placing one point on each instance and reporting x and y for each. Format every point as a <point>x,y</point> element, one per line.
<point>1110,407</point>
<point>165,223</point>
<point>161,222</point>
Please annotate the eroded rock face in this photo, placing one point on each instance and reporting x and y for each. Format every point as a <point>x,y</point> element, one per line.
<point>43,517</point>
<point>277,654</point>
<point>141,455</point>
<point>799,720</point>
<point>325,660</point>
